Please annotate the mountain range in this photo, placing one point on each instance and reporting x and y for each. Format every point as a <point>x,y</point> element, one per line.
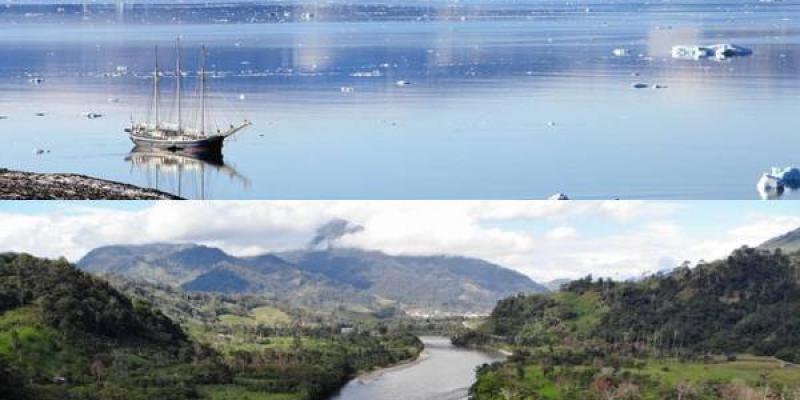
<point>320,275</point>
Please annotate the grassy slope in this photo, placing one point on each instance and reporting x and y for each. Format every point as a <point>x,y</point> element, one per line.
<point>655,379</point>
<point>31,346</point>
<point>255,335</point>
<point>237,347</point>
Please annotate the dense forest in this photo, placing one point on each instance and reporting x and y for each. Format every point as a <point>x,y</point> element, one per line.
<point>737,320</point>
<point>63,331</point>
<point>67,334</point>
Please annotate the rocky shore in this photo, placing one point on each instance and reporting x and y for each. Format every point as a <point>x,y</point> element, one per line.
<point>18,185</point>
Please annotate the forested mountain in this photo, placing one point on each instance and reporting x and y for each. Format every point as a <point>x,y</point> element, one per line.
<point>745,304</point>
<point>67,334</point>
<point>321,275</point>
<point>748,302</point>
<point>64,333</point>
<point>417,282</point>
<point>788,242</point>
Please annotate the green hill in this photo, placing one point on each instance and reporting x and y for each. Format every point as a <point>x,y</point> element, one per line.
<point>67,334</point>
<point>63,331</point>
<point>601,332</point>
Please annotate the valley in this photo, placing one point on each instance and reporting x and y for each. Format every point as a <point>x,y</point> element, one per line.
<point>138,322</point>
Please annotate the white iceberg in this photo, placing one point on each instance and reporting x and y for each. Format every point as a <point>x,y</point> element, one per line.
<point>91,115</point>
<point>684,52</point>
<point>772,184</point>
<point>725,50</point>
<point>620,52</point>
<point>718,51</point>
<point>558,196</point>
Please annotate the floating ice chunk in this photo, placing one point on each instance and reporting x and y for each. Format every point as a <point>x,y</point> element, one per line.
<point>722,51</point>
<point>36,81</point>
<point>640,85</point>
<point>769,187</point>
<point>38,151</point>
<point>684,52</point>
<point>558,196</point>
<point>91,115</point>
<point>789,175</point>
<point>718,51</point>
<point>620,52</point>
<point>347,89</point>
<point>113,100</point>
<point>403,83</point>
<point>773,183</point>
<point>551,123</point>
<point>39,114</point>
<point>241,97</point>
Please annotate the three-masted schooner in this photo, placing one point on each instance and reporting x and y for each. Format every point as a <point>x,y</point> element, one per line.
<point>176,136</point>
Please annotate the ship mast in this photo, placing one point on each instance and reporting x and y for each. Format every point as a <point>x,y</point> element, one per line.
<point>155,87</point>
<point>203,90</point>
<point>178,79</point>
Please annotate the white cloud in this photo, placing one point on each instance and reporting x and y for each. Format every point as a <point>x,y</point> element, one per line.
<point>544,239</point>
<point>562,232</point>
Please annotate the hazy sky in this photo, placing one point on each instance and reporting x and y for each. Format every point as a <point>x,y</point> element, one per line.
<point>545,240</point>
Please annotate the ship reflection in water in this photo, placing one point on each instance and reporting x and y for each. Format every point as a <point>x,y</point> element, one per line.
<point>184,174</point>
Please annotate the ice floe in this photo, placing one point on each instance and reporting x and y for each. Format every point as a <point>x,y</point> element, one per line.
<point>718,51</point>
<point>91,115</point>
<point>772,184</point>
<point>620,52</point>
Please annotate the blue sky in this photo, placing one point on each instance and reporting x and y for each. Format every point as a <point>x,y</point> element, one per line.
<point>545,240</point>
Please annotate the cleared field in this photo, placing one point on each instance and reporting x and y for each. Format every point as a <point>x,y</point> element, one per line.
<point>234,392</point>
<point>656,378</point>
<point>748,369</point>
<point>265,315</point>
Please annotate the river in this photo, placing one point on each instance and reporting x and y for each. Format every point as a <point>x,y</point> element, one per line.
<point>442,371</point>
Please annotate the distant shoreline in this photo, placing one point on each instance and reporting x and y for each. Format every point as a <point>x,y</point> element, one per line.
<point>20,185</point>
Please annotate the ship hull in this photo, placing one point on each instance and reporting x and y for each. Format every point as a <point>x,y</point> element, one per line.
<point>201,145</point>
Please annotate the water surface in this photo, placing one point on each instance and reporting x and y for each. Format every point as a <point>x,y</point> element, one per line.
<point>444,372</point>
<point>508,99</point>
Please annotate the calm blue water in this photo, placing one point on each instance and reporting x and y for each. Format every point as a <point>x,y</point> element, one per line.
<point>489,80</point>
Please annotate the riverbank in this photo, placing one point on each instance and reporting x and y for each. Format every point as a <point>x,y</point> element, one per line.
<point>367,376</point>
<point>19,185</point>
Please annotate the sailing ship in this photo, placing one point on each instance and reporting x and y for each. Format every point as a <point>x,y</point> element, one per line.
<point>177,136</point>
